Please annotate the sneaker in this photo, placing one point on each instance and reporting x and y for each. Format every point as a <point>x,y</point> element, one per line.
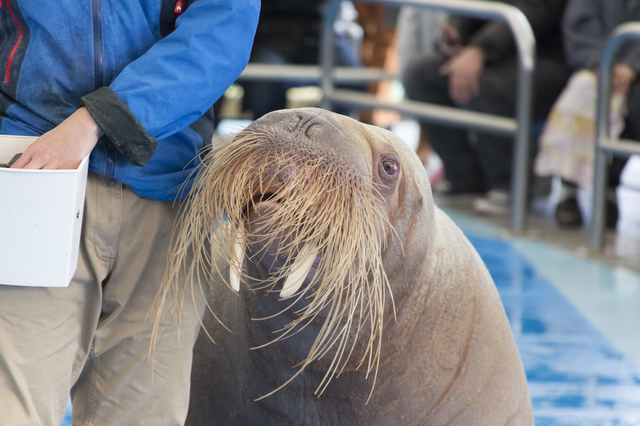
<point>568,213</point>
<point>494,203</point>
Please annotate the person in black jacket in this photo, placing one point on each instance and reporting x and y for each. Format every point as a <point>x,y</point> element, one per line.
<point>476,69</point>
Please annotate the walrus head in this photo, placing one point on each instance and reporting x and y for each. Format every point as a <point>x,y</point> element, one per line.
<point>303,204</point>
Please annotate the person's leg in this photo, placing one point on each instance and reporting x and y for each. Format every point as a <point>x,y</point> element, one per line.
<point>423,82</point>
<point>42,336</point>
<point>45,336</point>
<point>497,96</point>
<point>120,384</point>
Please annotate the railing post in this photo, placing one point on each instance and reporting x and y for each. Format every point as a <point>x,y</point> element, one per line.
<point>621,35</point>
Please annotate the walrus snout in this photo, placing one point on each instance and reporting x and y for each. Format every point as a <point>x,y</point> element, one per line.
<point>331,136</point>
<point>302,120</point>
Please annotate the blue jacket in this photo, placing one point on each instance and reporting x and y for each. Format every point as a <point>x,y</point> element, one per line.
<point>149,86</point>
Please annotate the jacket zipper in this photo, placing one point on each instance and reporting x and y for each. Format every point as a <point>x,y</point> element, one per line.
<point>99,82</point>
<point>15,47</point>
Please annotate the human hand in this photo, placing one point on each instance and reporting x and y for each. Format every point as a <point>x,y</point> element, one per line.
<point>464,72</point>
<point>621,77</point>
<point>450,42</point>
<point>64,146</point>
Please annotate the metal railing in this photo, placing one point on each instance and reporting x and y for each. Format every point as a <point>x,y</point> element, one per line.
<point>604,144</point>
<point>519,128</point>
<point>312,73</point>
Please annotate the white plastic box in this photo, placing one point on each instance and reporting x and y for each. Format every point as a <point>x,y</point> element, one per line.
<point>40,220</point>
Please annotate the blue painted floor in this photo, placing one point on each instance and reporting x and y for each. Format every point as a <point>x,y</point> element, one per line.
<point>576,375</point>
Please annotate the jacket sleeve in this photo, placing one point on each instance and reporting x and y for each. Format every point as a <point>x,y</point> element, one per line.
<point>178,79</point>
<point>496,39</point>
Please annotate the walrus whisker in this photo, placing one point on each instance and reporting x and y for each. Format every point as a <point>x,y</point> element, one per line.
<point>314,350</point>
<point>292,303</point>
<point>329,220</point>
<point>342,337</point>
<point>330,329</point>
<point>321,301</point>
<point>210,309</point>
<point>331,326</point>
<point>287,331</point>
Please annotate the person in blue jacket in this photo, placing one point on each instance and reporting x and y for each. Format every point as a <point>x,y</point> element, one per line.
<point>132,85</point>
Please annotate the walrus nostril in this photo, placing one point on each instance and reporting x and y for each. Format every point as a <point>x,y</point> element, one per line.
<point>297,121</point>
<point>312,129</point>
<point>301,121</point>
<point>293,125</point>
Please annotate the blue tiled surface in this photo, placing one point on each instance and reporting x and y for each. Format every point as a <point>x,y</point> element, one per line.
<point>576,376</point>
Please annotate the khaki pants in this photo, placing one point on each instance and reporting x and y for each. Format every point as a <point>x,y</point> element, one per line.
<point>91,339</point>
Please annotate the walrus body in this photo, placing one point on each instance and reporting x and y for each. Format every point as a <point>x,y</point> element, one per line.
<point>445,352</point>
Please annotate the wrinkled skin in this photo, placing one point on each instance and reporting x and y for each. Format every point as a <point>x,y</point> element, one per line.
<point>447,357</point>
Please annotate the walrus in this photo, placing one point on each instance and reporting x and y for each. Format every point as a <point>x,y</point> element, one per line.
<point>339,293</point>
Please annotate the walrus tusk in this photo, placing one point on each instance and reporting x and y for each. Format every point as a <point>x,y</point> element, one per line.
<point>239,247</point>
<point>299,270</point>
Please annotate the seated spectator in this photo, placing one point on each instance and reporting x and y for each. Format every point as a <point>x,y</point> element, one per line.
<point>417,33</point>
<point>476,69</point>
<point>289,32</point>
<point>567,142</point>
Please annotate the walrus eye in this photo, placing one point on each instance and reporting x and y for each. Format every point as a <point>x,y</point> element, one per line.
<point>390,166</point>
